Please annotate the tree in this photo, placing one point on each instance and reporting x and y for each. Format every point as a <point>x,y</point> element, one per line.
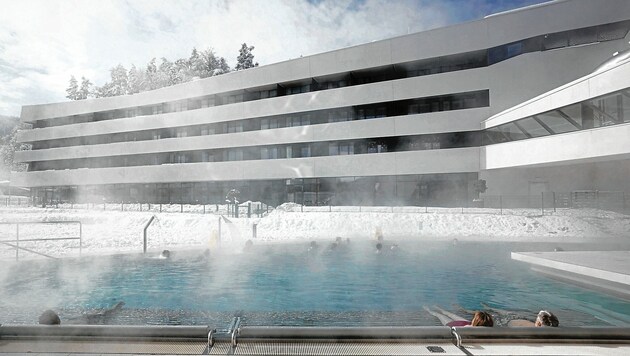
<point>136,80</point>
<point>152,75</point>
<point>73,89</point>
<point>245,58</point>
<point>120,82</point>
<point>8,146</point>
<point>86,89</point>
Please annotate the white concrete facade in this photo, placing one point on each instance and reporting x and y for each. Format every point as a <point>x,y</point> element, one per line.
<point>501,84</point>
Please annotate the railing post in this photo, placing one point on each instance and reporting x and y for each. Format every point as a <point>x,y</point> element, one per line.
<point>160,207</point>
<point>501,204</point>
<point>145,233</point>
<point>542,203</point>
<point>254,230</point>
<point>554,202</point>
<point>122,206</point>
<point>249,210</point>
<point>204,208</point>
<point>181,209</point>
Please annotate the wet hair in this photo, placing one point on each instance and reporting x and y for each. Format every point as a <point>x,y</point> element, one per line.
<point>49,317</point>
<point>482,318</point>
<point>547,319</point>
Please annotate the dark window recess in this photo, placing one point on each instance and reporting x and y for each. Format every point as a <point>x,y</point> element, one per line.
<point>404,107</point>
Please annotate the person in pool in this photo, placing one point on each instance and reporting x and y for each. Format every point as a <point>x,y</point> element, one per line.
<point>480,318</point>
<point>49,317</point>
<point>544,318</point>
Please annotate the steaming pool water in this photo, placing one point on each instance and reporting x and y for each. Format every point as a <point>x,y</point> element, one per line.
<point>286,284</point>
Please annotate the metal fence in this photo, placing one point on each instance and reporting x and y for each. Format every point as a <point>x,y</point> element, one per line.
<point>18,240</point>
<point>492,204</point>
<point>539,204</point>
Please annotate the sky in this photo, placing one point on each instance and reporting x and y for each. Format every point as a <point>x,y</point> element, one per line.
<point>44,42</point>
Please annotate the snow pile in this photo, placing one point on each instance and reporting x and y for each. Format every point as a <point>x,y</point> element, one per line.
<point>105,232</point>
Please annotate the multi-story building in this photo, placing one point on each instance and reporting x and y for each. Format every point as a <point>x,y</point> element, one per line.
<point>416,119</point>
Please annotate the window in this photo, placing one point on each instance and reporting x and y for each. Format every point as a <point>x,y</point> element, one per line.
<point>235,127</point>
<point>268,153</point>
<point>181,132</point>
<point>235,154</point>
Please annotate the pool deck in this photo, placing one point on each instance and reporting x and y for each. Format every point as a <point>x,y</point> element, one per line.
<point>608,271</point>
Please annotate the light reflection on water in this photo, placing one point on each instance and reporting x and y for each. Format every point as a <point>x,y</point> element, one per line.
<point>286,284</point>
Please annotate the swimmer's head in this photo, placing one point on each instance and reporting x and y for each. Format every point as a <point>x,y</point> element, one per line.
<point>166,254</point>
<point>379,246</point>
<point>338,239</point>
<point>546,318</point>
<point>49,317</point>
<point>482,318</point>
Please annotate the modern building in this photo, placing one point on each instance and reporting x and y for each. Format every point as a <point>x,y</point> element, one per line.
<point>416,119</point>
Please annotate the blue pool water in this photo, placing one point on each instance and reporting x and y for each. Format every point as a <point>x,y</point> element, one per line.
<point>285,284</point>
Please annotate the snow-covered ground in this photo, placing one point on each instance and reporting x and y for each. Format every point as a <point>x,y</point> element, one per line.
<point>115,231</point>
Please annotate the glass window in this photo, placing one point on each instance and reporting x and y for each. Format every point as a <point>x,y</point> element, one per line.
<point>264,124</point>
<point>532,127</point>
<point>234,127</point>
<point>305,151</point>
<point>333,149</point>
<point>235,154</point>
<point>555,40</point>
<point>556,122</point>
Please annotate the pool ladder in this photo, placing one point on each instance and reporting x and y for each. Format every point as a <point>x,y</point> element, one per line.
<point>232,331</point>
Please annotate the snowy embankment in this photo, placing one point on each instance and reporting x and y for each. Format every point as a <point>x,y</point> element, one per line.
<point>106,232</point>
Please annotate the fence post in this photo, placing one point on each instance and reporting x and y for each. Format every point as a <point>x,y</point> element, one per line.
<point>140,206</point>
<point>103,206</point>
<point>254,232</point>
<point>219,232</point>
<point>542,203</point>
<point>302,207</point>
<point>204,208</point>
<point>181,208</point>
<point>554,202</point>
<point>249,210</point>
<point>501,204</point>
<point>236,210</point>
<point>122,206</point>
<point>160,207</point>
<point>17,241</point>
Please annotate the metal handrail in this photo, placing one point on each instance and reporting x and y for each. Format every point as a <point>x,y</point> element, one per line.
<point>263,334</point>
<point>17,236</point>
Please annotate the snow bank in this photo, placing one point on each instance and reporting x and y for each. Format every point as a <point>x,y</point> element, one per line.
<point>112,231</point>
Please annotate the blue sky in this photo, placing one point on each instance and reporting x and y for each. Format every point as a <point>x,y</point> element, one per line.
<point>44,42</point>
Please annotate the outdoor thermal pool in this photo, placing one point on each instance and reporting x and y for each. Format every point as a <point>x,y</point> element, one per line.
<point>288,284</point>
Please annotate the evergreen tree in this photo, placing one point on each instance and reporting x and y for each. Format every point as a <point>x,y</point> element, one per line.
<point>8,146</point>
<point>86,89</point>
<point>152,75</point>
<point>245,58</point>
<point>135,80</point>
<point>73,89</point>
<point>120,82</point>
